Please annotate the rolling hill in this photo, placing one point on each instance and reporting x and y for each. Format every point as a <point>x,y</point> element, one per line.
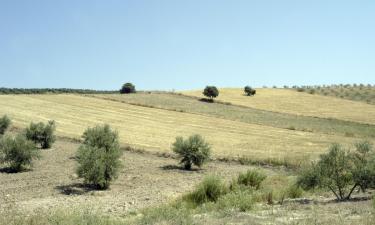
<point>298,103</point>
<point>154,129</point>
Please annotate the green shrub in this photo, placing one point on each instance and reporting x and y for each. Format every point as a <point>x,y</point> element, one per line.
<point>194,150</point>
<point>4,124</point>
<point>42,134</point>
<point>341,171</point>
<point>99,156</point>
<point>127,88</point>
<point>17,152</point>
<point>209,190</point>
<point>251,178</point>
<point>211,92</point>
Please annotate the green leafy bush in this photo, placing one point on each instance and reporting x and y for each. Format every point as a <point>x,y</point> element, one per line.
<point>251,178</point>
<point>211,92</point>
<point>127,88</point>
<point>194,150</point>
<point>99,156</point>
<point>209,190</point>
<point>42,134</point>
<point>341,171</point>
<point>17,152</point>
<point>4,124</point>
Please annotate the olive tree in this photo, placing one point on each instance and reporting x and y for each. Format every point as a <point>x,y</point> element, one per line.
<point>42,134</point>
<point>341,171</point>
<point>99,156</point>
<point>194,150</point>
<point>17,152</point>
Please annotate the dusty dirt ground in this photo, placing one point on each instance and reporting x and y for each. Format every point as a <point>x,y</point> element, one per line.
<point>144,180</point>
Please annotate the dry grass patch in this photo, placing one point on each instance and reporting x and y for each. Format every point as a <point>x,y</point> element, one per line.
<point>293,102</point>
<point>156,129</point>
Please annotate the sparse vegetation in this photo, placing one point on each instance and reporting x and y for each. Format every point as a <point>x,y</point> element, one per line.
<point>211,92</point>
<point>4,124</point>
<point>363,93</point>
<point>194,150</point>
<point>127,88</point>
<point>42,134</point>
<point>17,152</point>
<point>209,190</point>
<point>98,156</point>
<point>252,178</point>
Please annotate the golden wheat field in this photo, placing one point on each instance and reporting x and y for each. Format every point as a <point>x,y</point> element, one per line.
<point>155,129</point>
<point>293,102</point>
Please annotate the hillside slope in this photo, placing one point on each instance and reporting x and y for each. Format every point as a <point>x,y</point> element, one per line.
<point>298,103</point>
<point>155,129</point>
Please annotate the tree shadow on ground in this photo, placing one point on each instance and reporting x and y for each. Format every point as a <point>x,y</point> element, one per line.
<point>10,170</point>
<point>180,168</point>
<point>206,100</point>
<point>75,189</point>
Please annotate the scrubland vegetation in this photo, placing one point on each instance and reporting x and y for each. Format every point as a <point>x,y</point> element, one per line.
<point>235,153</point>
<point>356,92</point>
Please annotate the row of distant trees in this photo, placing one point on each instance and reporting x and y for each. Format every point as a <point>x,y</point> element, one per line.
<point>128,88</point>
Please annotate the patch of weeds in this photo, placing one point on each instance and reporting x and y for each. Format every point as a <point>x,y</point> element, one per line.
<point>178,213</point>
<point>238,200</point>
<point>252,178</point>
<point>209,190</point>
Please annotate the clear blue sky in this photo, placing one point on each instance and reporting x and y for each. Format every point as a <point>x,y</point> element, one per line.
<point>172,44</point>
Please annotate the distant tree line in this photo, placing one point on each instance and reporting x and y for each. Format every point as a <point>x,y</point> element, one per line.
<point>52,91</point>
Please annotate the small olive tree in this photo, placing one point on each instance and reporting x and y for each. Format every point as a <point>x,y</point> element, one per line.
<point>211,92</point>
<point>4,124</point>
<point>99,156</point>
<point>127,88</point>
<point>42,134</point>
<point>194,150</point>
<point>249,91</point>
<point>341,171</point>
<point>17,152</point>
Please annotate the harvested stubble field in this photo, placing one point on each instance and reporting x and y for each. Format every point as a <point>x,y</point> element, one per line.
<point>155,129</point>
<point>298,103</point>
<point>151,122</point>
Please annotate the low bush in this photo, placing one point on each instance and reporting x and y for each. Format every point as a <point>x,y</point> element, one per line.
<point>99,156</point>
<point>252,178</point>
<point>194,150</point>
<point>209,190</point>
<point>4,124</point>
<point>42,134</point>
<point>17,152</point>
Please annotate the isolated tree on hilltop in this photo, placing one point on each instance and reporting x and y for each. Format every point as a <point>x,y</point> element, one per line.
<point>127,88</point>
<point>211,92</point>
<point>249,91</point>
